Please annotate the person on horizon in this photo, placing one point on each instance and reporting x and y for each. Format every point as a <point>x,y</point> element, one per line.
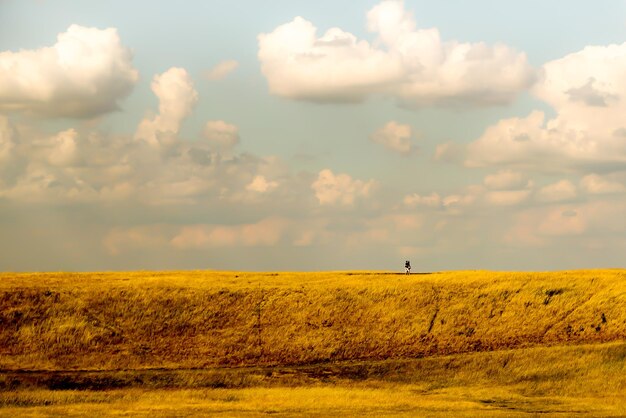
<point>407,267</point>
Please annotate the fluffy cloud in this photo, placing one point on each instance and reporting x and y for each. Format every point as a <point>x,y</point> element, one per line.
<point>587,91</point>
<point>81,165</point>
<point>177,98</point>
<point>562,222</point>
<point>333,68</point>
<point>11,162</point>
<point>449,152</point>
<point>587,88</point>
<point>507,197</point>
<point>453,203</point>
<point>221,70</point>
<point>595,184</point>
<point>64,149</point>
<point>537,227</point>
<point>7,139</point>
<point>525,142</point>
<point>414,200</point>
<point>40,167</point>
<point>340,189</point>
<point>506,180</point>
<point>223,136</point>
<point>413,65</point>
<point>507,188</point>
<point>76,165</point>
<point>557,192</point>
<point>456,201</point>
<point>260,185</point>
<point>84,74</point>
<point>119,240</point>
<point>266,232</point>
<point>395,137</point>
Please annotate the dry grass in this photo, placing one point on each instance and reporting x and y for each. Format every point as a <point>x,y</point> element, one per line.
<point>314,344</point>
<point>308,401</point>
<point>203,319</point>
<point>551,381</point>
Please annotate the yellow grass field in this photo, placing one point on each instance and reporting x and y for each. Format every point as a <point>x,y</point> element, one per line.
<point>314,344</point>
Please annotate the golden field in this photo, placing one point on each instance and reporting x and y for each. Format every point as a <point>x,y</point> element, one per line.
<point>316,344</point>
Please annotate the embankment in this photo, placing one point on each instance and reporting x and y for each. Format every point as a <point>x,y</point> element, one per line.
<point>141,320</point>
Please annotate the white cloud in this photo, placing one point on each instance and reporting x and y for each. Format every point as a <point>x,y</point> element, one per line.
<point>8,142</point>
<point>223,136</point>
<point>84,74</point>
<point>507,188</point>
<point>537,227</point>
<point>340,189</point>
<point>506,180</point>
<point>395,137</point>
<point>458,200</point>
<point>557,192</point>
<point>177,190</point>
<point>266,232</point>
<point>413,65</point>
<point>64,149</point>
<point>177,98</point>
<point>68,166</point>
<point>449,152</point>
<point>562,221</point>
<point>117,191</point>
<point>260,185</point>
<point>76,165</point>
<point>333,68</point>
<point>507,197</point>
<point>11,162</point>
<point>525,142</point>
<point>593,224</point>
<point>586,88</point>
<point>414,200</point>
<point>39,184</point>
<point>221,70</point>
<point>120,240</point>
<point>587,91</point>
<point>595,184</point>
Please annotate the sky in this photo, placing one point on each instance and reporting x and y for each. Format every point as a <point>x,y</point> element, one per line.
<point>298,135</point>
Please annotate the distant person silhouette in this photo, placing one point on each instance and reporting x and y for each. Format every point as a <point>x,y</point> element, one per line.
<point>407,267</point>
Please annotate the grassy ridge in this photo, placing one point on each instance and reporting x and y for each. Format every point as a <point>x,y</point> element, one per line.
<point>111,321</point>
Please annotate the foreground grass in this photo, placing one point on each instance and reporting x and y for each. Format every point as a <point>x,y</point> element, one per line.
<point>322,401</point>
<point>588,380</point>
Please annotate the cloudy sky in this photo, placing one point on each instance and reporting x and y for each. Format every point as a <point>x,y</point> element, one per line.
<point>299,135</point>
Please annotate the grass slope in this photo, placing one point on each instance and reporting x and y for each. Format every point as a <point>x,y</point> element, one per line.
<point>313,344</point>
<point>137,320</point>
